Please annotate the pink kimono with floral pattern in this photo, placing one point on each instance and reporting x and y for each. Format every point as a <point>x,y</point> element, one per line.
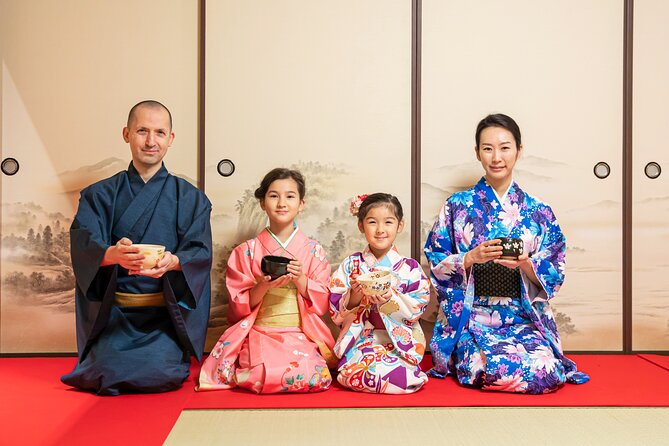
<point>273,359</point>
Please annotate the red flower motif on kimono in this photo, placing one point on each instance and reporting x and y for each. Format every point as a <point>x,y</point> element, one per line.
<point>295,383</point>
<point>225,373</point>
<point>361,375</point>
<point>217,351</point>
<point>298,386</point>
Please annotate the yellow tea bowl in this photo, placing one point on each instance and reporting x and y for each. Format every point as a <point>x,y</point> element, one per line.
<point>152,254</point>
<point>375,283</point>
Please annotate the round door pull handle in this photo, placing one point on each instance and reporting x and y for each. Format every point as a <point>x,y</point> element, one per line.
<point>225,167</point>
<point>10,166</point>
<point>601,170</point>
<point>652,170</point>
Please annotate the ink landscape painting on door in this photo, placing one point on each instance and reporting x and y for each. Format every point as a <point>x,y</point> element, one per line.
<point>65,132</point>
<point>327,91</point>
<point>568,105</point>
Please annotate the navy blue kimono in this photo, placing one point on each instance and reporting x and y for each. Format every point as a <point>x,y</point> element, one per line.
<point>140,349</point>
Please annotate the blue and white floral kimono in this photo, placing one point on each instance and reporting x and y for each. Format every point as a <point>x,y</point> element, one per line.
<point>498,343</point>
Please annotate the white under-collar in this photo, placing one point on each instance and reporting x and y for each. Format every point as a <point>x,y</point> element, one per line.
<point>283,245</point>
<point>501,200</point>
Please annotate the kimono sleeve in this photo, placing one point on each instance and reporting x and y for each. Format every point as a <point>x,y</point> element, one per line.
<point>446,264</point>
<point>195,255</point>
<point>239,280</point>
<point>90,235</point>
<point>548,261</point>
<point>410,296</point>
<point>318,277</point>
<point>340,288</point>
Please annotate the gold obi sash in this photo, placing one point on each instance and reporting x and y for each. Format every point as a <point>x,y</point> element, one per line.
<point>139,300</point>
<point>279,308</point>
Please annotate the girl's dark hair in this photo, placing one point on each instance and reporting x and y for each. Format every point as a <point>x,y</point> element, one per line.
<point>498,120</point>
<point>280,173</point>
<point>380,199</point>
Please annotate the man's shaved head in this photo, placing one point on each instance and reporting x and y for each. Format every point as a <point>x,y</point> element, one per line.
<point>149,104</point>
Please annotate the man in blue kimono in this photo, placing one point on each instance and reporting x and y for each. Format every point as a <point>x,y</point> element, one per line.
<point>137,328</point>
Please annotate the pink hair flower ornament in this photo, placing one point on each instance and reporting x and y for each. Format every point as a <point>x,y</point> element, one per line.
<point>354,208</point>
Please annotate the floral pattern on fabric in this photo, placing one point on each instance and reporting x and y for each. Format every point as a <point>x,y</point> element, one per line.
<point>265,359</point>
<point>495,342</point>
<point>296,382</point>
<point>380,346</point>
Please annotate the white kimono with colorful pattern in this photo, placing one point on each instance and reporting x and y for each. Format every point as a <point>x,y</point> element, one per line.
<point>380,346</point>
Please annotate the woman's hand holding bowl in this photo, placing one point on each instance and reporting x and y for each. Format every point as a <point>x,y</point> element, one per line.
<point>484,252</point>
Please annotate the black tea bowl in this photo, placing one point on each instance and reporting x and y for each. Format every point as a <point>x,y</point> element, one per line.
<point>274,266</point>
<point>511,247</point>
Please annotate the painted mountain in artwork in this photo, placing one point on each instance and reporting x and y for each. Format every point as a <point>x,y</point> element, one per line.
<point>75,180</point>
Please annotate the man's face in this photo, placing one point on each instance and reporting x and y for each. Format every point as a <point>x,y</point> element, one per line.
<point>149,135</point>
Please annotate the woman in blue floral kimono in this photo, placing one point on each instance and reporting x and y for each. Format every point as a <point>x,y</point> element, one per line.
<point>508,343</point>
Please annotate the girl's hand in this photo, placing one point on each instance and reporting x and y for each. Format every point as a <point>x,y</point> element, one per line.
<point>381,299</point>
<point>355,293</point>
<point>484,252</point>
<point>297,275</point>
<point>295,268</point>
<point>267,282</point>
<point>264,283</point>
<point>356,287</point>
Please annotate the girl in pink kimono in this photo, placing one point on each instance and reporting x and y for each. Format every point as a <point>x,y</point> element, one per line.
<point>277,341</point>
<point>381,343</point>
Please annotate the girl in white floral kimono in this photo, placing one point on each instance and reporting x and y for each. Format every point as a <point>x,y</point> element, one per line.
<point>381,343</point>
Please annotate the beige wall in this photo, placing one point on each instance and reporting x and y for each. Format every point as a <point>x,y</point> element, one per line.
<point>326,86</point>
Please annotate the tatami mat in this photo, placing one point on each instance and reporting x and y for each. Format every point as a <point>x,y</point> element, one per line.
<point>424,426</point>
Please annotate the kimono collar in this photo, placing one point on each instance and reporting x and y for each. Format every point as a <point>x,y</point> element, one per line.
<point>282,244</point>
<point>274,247</point>
<point>491,193</point>
<point>138,202</point>
<point>391,258</point>
<point>136,178</point>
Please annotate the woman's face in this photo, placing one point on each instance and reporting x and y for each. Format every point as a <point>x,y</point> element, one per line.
<point>497,153</point>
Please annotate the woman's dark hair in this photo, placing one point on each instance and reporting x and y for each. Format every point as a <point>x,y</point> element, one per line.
<point>380,199</point>
<point>498,120</point>
<point>280,173</point>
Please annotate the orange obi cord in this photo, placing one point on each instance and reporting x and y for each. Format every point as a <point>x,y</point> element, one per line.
<point>139,300</point>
